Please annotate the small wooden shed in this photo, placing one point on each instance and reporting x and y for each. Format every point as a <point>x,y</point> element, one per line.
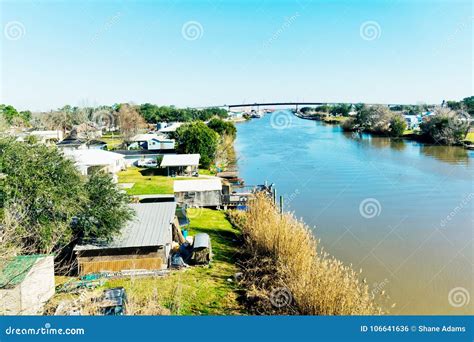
<point>26,283</point>
<point>143,244</point>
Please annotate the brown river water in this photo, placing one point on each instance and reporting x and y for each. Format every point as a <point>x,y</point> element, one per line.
<point>400,210</point>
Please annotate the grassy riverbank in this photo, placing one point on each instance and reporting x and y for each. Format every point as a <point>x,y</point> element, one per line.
<point>286,274</point>
<point>197,290</point>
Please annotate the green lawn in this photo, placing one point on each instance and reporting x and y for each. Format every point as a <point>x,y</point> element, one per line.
<point>196,290</point>
<point>151,181</point>
<point>147,182</point>
<point>112,140</point>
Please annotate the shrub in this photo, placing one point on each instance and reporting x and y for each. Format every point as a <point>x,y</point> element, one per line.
<point>397,125</point>
<point>445,127</point>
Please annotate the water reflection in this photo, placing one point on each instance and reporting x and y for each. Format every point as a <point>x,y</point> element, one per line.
<point>449,154</point>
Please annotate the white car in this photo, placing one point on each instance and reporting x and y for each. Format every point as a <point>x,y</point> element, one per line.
<point>147,163</point>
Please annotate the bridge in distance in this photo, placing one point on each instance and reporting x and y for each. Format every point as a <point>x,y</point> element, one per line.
<point>289,104</point>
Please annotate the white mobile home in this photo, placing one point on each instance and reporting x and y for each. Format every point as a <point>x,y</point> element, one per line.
<point>90,160</point>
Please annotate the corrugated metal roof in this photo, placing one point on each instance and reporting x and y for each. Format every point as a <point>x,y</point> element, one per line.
<point>16,269</point>
<point>150,227</point>
<point>197,185</point>
<point>93,157</point>
<point>180,159</point>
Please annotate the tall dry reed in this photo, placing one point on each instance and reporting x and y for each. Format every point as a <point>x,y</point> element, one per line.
<point>319,283</point>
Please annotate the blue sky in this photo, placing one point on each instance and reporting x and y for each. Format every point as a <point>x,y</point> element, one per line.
<point>102,52</point>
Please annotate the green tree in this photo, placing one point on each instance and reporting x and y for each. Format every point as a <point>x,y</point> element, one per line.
<point>468,103</point>
<point>196,137</point>
<point>25,116</point>
<point>341,109</point>
<point>45,188</point>
<point>106,210</point>
<point>222,127</point>
<point>44,194</point>
<point>397,125</point>
<point>9,113</point>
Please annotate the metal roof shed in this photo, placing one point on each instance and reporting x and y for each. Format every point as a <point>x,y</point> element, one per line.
<point>144,243</point>
<point>150,227</point>
<point>180,160</point>
<point>211,184</point>
<point>181,163</point>
<point>199,192</point>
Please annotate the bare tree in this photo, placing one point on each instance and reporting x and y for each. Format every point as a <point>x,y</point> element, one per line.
<point>130,121</point>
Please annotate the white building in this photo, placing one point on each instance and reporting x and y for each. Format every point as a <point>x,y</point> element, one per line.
<point>88,160</point>
<point>199,192</point>
<point>412,121</point>
<point>47,137</point>
<point>171,127</point>
<point>181,164</point>
<point>151,142</point>
<point>26,283</point>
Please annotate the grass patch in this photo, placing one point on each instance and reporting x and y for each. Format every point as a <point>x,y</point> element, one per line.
<point>147,181</point>
<point>334,119</point>
<point>469,137</point>
<point>207,172</point>
<point>196,290</point>
<point>113,141</point>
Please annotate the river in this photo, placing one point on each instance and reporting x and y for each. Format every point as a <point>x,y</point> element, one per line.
<point>401,211</point>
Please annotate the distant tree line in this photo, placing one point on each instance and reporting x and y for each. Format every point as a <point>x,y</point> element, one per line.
<point>154,114</point>
<point>466,104</point>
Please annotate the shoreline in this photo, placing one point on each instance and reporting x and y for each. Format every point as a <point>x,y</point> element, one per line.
<point>468,145</point>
